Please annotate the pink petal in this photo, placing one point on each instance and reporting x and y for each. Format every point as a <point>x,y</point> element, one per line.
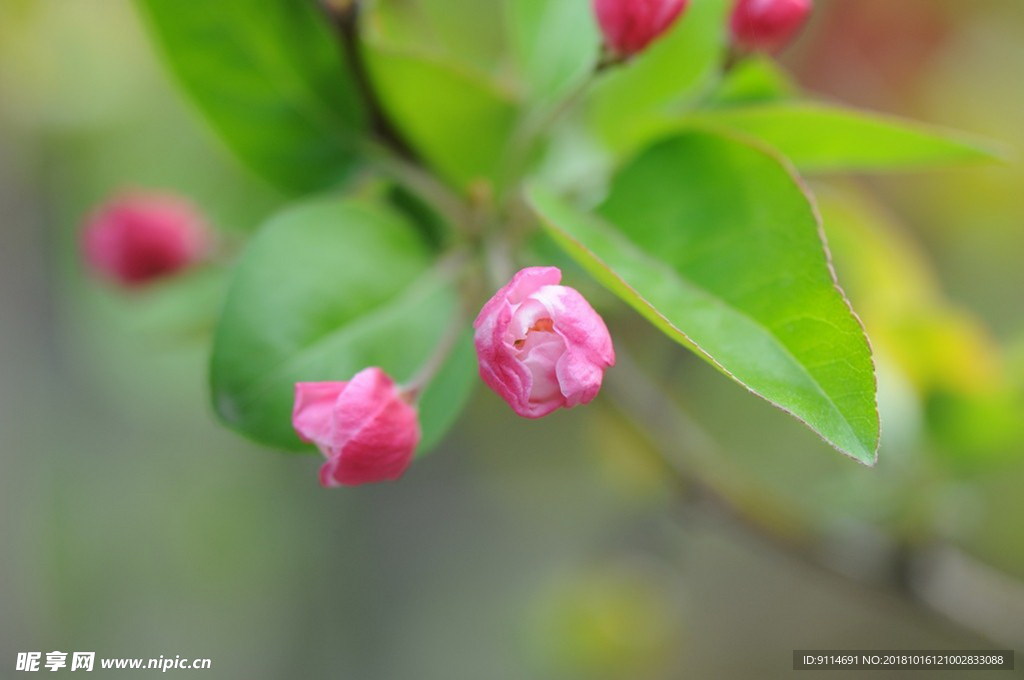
<point>589,349</point>
<point>515,291</point>
<point>377,432</point>
<point>541,354</point>
<point>630,25</point>
<point>364,426</point>
<point>312,414</point>
<point>499,367</point>
<point>368,393</point>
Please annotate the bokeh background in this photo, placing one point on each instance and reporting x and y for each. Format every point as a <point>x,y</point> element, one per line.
<point>132,525</point>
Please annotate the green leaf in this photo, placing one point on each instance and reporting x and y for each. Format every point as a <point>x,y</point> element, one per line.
<point>631,97</point>
<point>754,80</point>
<point>472,32</point>
<point>819,138</point>
<point>458,121</point>
<point>466,32</point>
<point>269,77</point>
<point>715,242</point>
<point>324,290</point>
<point>556,42</point>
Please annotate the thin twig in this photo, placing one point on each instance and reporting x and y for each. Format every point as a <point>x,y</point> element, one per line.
<point>436,360</point>
<point>450,268</point>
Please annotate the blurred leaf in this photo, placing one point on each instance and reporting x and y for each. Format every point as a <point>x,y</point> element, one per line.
<point>938,346</point>
<point>326,289</point>
<point>180,308</point>
<point>883,269</point>
<point>420,214</point>
<point>557,44</point>
<point>977,428</point>
<point>952,360</point>
<point>628,99</point>
<point>270,79</point>
<point>755,80</point>
<point>458,121</point>
<point>629,463</point>
<point>1015,363</point>
<point>473,32</point>
<point>610,621</point>
<point>469,33</point>
<point>715,243</point>
<point>945,348</point>
<point>820,138</point>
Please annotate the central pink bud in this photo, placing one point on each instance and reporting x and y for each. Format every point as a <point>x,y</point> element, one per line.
<point>541,346</point>
<point>365,427</point>
<point>630,25</point>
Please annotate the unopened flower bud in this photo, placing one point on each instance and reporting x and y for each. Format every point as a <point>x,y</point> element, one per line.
<point>364,427</point>
<point>767,25</point>
<point>137,238</point>
<point>629,26</point>
<point>541,346</point>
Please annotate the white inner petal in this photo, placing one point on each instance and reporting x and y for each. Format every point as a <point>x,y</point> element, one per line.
<point>532,337</point>
<point>540,353</point>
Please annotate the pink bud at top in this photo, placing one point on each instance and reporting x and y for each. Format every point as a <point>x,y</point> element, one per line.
<point>365,427</point>
<point>767,25</point>
<point>542,346</point>
<point>136,238</point>
<point>630,25</point>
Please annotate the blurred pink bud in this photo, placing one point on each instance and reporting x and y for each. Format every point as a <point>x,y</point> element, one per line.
<point>630,25</point>
<point>767,25</point>
<point>542,346</point>
<point>364,427</point>
<point>136,238</point>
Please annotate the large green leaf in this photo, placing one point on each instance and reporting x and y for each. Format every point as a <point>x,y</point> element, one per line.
<point>270,79</point>
<point>459,121</point>
<point>820,138</point>
<point>715,242</point>
<point>556,44</point>
<point>326,289</point>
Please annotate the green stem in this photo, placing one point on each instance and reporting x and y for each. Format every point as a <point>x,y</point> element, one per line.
<point>498,260</point>
<point>533,127</point>
<point>419,382</point>
<point>449,267</point>
<point>733,58</point>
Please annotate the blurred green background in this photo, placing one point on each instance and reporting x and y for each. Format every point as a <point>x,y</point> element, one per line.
<point>132,525</point>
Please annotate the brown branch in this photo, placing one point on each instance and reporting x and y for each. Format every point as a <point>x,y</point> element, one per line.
<point>344,18</point>
<point>908,573</point>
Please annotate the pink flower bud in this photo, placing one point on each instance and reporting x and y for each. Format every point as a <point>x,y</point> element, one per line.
<point>630,25</point>
<point>137,238</point>
<point>767,25</point>
<point>364,427</point>
<point>542,346</point>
